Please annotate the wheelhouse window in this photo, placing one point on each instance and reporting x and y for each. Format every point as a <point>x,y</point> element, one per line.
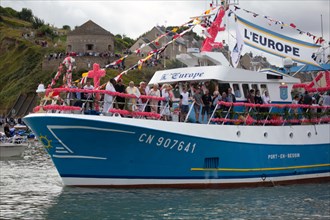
<point>254,86</point>
<point>223,87</point>
<point>245,89</point>
<point>263,88</point>
<point>237,91</point>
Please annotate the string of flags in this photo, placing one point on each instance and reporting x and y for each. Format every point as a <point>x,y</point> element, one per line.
<point>204,20</point>
<point>155,41</point>
<point>316,39</point>
<point>154,53</point>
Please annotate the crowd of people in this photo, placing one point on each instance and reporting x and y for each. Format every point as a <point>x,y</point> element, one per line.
<point>8,124</point>
<point>204,96</point>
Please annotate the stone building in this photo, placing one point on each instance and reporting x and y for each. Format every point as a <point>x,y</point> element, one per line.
<point>90,38</point>
<point>171,51</point>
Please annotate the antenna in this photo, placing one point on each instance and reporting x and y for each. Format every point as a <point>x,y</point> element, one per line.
<point>321,26</point>
<point>323,52</point>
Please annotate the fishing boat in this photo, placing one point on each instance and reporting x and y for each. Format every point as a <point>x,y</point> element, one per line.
<point>289,143</point>
<point>12,147</point>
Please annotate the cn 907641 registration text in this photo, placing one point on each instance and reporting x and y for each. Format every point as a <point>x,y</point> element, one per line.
<point>169,143</point>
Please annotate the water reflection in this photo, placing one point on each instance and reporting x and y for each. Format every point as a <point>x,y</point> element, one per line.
<point>28,185</point>
<point>30,188</point>
<point>290,202</point>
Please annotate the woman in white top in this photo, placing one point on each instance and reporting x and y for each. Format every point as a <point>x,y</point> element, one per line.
<point>154,103</point>
<point>108,99</point>
<point>184,104</point>
<point>167,94</point>
<point>265,98</point>
<point>132,90</point>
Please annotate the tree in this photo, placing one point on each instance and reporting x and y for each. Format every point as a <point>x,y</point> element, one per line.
<point>8,12</point>
<point>118,36</point>
<point>37,22</point>
<point>46,30</point>
<point>66,27</point>
<point>26,14</point>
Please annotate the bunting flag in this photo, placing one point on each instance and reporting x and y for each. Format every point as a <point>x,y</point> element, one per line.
<point>317,40</point>
<point>83,80</point>
<point>140,62</point>
<point>277,44</point>
<point>156,41</point>
<point>118,77</point>
<point>116,62</point>
<point>209,17</point>
<point>156,53</point>
<point>237,50</point>
<point>153,53</point>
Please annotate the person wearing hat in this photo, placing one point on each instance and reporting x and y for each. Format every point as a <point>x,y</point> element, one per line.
<point>41,88</point>
<point>132,90</point>
<point>154,91</point>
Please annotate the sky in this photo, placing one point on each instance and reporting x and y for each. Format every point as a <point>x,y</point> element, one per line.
<point>135,17</point>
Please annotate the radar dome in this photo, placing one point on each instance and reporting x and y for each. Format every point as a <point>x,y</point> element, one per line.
<point>287,62</point>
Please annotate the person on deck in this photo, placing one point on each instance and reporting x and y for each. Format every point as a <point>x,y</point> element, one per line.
<point>154,103</point>
<point>108,99</point>
<point>230,96</point>
<point>166,104</point>
<point>132,90</point>
<point>207,101</point>
<point>79,96</point>
<point>250,96</point>
<point>120,87</point>
<point>143,91</point>
<point>184,104</point>
<point>198,103</point>
<point>89,96</point>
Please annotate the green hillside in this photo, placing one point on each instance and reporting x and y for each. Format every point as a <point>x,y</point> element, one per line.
<point>22,55</point>
<point>20,61</point>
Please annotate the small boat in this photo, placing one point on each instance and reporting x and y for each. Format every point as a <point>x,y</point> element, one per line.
<point>288,143</point>
<point>13,146</point>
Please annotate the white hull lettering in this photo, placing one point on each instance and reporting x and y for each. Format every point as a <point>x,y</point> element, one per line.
<point>167,143</point>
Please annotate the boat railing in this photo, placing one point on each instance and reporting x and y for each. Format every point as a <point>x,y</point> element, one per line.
<point>223,113</point>
<point>269,114</point>
<point>67,105</point>
<point>14,140</point>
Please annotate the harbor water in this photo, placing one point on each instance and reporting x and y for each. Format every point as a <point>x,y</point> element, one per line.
<point>30,188</point>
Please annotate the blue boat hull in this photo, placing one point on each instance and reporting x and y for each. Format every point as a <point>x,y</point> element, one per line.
<point>113,151</point>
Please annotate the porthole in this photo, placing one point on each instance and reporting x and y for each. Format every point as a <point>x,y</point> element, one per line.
<point>265,134</point>
<point>309,134</point>
<point>238,133</point>
<point>291,135</point>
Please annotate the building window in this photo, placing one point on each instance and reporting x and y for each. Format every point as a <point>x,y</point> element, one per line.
<point>109,48</point>
<point>69,48</point>
<point>89,46</point>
